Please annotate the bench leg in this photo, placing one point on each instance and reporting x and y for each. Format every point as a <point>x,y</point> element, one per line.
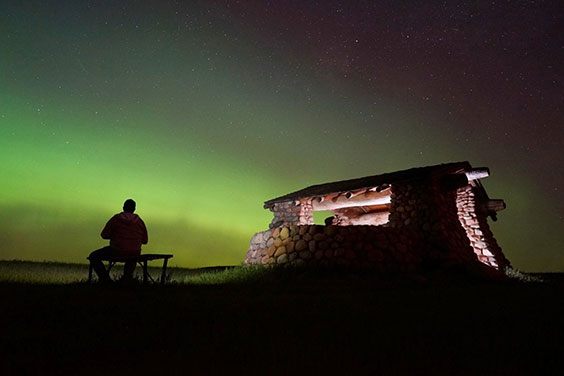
<point>110,266</point>
<point>90,272</point>
<point>163,274</point>
<point>145,271</point>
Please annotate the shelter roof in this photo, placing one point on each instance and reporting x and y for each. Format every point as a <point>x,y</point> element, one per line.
<point>368,182</point>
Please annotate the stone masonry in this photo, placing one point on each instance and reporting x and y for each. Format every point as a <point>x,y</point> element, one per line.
<point>478,231</point>
<point>379,248</point>
<point>289,213</point>
<point>400,221</point>
<point>424,208</point>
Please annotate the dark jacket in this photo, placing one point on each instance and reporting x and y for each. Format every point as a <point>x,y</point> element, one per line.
<point>126,231</point>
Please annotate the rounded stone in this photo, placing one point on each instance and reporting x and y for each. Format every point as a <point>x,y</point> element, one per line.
<point>307,237</point>
<point>319,237</point>
<point>275,232</point>
<point>323,244</point>
<point>306,255</point>
<point>301,245</point>
<point>257,238</point>
<point>280,251</point>
<point>312,245</point>
<point>290,247</point>
<point>271,250</point>
<point>330,230</point>
<point>293,230</point>
<point>282,259</point>
<point>303,229</point>
<point>270,242</point>
<point>284,233</point>
<point>278,242</point>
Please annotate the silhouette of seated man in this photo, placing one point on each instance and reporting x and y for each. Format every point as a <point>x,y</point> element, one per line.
<point>126,232</point>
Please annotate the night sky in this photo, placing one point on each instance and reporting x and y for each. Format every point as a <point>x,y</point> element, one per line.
<point>202,110</point>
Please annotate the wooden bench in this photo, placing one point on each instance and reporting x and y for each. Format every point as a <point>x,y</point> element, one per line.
<point>141,260</point>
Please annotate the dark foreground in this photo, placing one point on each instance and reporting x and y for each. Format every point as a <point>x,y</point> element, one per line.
<point>296,325</point>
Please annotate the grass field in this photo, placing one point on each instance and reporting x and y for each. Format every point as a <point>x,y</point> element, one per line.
<point>245,321</point>
<point>61,273</point>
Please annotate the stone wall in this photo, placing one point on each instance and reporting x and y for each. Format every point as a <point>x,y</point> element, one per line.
<point>475,222</point>
<point>291,213</point>
<point>424,207</point>
<point>381,248</point>
<point>427,220</point>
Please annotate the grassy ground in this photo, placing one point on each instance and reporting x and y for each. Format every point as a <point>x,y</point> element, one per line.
<point>62,273</point>
<point>278,322</point>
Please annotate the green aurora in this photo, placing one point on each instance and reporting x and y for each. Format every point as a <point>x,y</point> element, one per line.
<point>200,125</point>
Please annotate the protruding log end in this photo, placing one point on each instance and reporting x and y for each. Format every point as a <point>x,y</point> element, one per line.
<point>495,205</point>
<point>478,173</point>
<point>382,187</point>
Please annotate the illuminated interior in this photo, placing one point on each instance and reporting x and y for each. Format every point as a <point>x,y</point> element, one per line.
<point>365,207</point>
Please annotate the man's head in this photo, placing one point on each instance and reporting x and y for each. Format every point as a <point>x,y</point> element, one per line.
<point>129,206</point>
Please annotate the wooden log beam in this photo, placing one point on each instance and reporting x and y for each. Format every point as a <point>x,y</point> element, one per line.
<point>478,173</point>
<point>370,219</point>
<point>352,194</point>
<point>494,205</point>
<point>365,199</point>
<point>382,187</point>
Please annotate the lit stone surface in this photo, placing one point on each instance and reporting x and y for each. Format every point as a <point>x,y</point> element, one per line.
<point>361,246</point>
<point>478,232</point>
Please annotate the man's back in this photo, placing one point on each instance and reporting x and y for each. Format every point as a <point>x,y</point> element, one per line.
<point>126,231</point>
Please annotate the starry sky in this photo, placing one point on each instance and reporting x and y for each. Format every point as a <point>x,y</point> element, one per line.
<point>203,110</point>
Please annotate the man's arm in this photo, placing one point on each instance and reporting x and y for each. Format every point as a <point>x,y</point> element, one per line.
<point>107,231</point>
<point>145,239</point>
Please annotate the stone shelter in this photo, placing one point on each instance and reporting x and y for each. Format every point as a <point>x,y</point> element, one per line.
<point>399,221</point>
